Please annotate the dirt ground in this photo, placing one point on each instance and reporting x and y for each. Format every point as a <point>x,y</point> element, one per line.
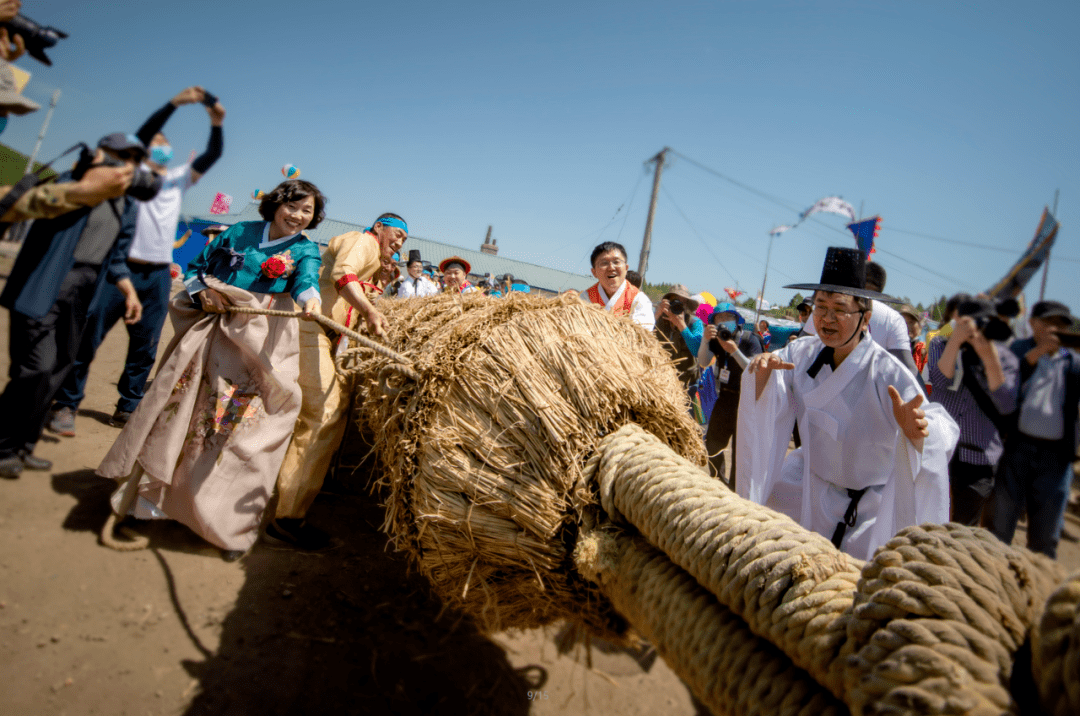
<point>175,630</point>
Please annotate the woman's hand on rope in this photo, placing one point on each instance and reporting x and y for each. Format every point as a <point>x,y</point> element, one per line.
<point>212,301</point>
<point>311,307</point>
<point>910,417</point>
<point>762,367</point>
<point>376,322</point>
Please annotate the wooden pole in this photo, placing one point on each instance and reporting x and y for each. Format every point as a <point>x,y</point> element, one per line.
<point>41,135</point>
<point>757,304</point>
<point>1046,266</point>
<point>646,244</point>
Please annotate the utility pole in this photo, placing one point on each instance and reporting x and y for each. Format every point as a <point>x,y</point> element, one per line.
<point>646,244</point>
<point>1046,266</point>
<point>41,135</point>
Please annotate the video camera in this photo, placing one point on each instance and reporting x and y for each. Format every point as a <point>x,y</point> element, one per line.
<point>38,38</point>
<point>144,185</point>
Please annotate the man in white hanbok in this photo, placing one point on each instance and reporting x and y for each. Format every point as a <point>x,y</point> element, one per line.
<point>872,460</point>
<point>416,284</point>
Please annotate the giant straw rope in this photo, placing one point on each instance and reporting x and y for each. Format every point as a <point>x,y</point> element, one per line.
<point>760,616</point>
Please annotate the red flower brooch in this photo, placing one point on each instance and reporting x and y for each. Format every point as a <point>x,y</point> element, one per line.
<point>278,265</point>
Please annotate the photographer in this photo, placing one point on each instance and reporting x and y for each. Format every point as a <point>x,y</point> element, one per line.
<point>975,379</point>
<point>1036,472</point>
<point>680,331</point>
<point>59,268</point>
<point>723,337</point>
<point>148,260</point>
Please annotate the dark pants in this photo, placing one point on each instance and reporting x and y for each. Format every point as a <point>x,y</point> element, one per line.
<point>42,352</point>
<point>725,416</point>
<point>153,284</point>
<point>1034,475</point>
<point>971,487</point>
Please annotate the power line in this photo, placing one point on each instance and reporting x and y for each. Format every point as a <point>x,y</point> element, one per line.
<point>788,206</point>
<point>698,234</point>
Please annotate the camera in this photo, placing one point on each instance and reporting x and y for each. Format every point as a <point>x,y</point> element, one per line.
<point>724,334</point>
<point>985,315</point>
<point>37,37</point>
<point>675,305</point>
<point>144,184</point>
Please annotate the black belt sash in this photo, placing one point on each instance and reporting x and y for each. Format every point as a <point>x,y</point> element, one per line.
<point>850,516</point>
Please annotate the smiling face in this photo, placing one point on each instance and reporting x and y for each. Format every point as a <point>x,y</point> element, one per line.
<point>292,217</point>
<point>454,276</point>
<point>415,269</point>
<point>610,270</point>
<point>837,319</point>
<point>391,239</point>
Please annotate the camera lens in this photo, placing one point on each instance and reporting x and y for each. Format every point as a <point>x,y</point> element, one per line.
<point>675,305</point>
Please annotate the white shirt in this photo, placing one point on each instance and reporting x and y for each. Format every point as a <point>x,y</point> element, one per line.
<point>850,440</point>
<point>155,227</point>
<point>416,287</point>
<point>641,310</point>
<point>887,327</point>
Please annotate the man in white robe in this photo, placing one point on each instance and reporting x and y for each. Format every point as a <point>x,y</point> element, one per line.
<point>872,460</point>
<point>416,284</point>
<point>613,291</point>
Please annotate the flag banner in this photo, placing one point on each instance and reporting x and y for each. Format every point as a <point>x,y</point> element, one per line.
<point>221,204</point>
<point>830,205</point>
<point>733,293</point>
<point>1032,260</point>
<point>865,232</point>
<point>780,229</point>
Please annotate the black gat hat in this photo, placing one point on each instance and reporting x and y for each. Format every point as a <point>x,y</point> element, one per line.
<point>844,272</point>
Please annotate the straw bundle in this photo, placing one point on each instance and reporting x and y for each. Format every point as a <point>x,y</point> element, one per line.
<point>482,458</point>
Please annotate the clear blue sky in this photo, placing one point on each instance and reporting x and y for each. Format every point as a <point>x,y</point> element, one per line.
<point>948,119</point>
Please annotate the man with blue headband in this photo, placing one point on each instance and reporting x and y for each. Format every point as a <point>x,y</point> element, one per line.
<point>351,260</point>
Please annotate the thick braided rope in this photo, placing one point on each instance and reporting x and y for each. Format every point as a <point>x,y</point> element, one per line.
<point>730,669</point>
<point>931,626</point>
<point>1055,651</point>
<point>790,585</point>
<point>940,612</point>
<point>401,363</point>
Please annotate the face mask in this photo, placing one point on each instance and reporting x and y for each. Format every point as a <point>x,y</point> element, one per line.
<point>161,154</point>
<point>3,123</point>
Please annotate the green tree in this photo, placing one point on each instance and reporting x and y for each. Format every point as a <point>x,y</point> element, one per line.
<point>748,303</point>
<point>795,300</point>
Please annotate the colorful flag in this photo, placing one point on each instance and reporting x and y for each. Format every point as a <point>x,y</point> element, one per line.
<point>830,205</point>
<point>865,232</point>
<point>221,204</point>
<point>1032,260</point>
<point>733,293</point>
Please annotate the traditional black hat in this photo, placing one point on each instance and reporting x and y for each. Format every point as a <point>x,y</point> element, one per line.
<point>414,255</point>
<point>844,272</point>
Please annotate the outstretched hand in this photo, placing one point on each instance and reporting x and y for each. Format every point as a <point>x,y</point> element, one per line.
<point>910,417</point>
<point>762,367</point>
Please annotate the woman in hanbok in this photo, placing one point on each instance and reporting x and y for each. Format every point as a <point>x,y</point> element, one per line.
<point>206,442</point>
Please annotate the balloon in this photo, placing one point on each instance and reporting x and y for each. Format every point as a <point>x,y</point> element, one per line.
<point>709,298</point>
<point>257,195</point>
<point>290,171</point>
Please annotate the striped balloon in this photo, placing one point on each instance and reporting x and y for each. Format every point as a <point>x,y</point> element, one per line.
<point>289,171</point>
<point>257,194</point>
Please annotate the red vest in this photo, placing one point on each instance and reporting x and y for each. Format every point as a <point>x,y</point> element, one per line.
<point>622,308</point>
